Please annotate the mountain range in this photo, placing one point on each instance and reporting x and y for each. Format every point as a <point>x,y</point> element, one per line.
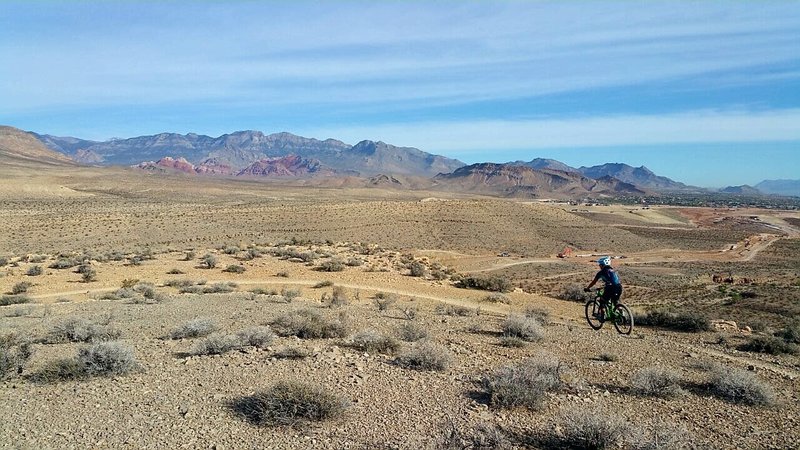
<point>255,154</point>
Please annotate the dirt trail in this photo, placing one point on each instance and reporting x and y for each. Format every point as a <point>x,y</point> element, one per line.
<point>787,372</point>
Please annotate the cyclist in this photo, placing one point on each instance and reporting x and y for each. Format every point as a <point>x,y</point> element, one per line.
<point>613,288</point>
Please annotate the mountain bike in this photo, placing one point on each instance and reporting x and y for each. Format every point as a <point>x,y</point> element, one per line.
<point>598,313</point>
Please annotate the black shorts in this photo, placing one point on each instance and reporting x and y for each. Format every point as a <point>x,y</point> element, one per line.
<point>612,292</point>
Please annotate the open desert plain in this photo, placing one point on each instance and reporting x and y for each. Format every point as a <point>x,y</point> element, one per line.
<point>150,310</point>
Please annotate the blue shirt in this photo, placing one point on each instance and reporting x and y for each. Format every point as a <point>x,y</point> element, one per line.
<point>608,275</point>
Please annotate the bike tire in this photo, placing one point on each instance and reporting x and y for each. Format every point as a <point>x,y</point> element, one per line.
<point>592,311</point>
<point>623,319</point>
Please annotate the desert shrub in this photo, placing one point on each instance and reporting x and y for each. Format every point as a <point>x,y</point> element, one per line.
<point>283,274</point>
<point>107,358</point>
<point>493,283</point>
<point>409,312</point>
<point>34,271</point>
<point>607,357</point>
<point>656,382</point>
<point>290,403</point>
<point>323,284</point>
<point>513,341</point>
<point>740,386</point>
<point>129,282</point>
<point>64,263</point>
<point>6,300</point>
<point>791,333</point>
<point>338,297</point>
<point>20,311</point>
<point>290,294</point>
<point>771,345</point>
<point>3,261</point>
<point>179,283</point>
<point>36,259</point>
<point>194,328</point>
<point>455,310</point>
<point>412,332</point>
<point>308,324</point>
<point>372,341</point>
<point>354,262</point>
<point>417,269</point>
<point>234,268</point>
<point>209,261</point>
<point>259,337</point>
<point>522,327</point>
<point>427,356</point>
<point>591,429</point>
<point>481,437</point>
<point>660,435</point>
<point>135,260</point>
<point>230,250</point>
<point>216,344</point>
<point>497,297</point>
<point>540,315</point>
<point>252,253</point>
<point>189,255</point>
<point>525,383</point>
<point>76,329</point>
<point>384,301</point>
<point>15,351</point>
<point>175,271</point>
<point>572,292</point>
<point>218,288</point>
<point>62,369</point>
<point>88,275</point>
<point>21,287</point>
<point>680,321</point>
<point>332,266</point>
<point>291,353</point>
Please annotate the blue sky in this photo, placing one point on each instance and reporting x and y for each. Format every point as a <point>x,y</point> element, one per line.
<point>707,93</point>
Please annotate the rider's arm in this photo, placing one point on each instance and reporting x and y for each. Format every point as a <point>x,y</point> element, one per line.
<point>596,277</point>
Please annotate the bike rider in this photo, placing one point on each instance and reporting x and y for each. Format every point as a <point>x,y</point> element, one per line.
<point>613,288</point>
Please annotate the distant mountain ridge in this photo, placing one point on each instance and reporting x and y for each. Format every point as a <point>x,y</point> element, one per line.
<point>19,147</point>
<point>640,176</point>
<point>780,187</point>
<point>243,148</point>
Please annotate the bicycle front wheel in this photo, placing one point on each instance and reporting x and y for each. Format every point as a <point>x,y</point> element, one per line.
<point>593,315</point>
<point>623,319</point>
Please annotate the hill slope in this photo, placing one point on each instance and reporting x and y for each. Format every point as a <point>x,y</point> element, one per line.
<point>780,187</point>
<point>640,176</point>
<point>17,146</point>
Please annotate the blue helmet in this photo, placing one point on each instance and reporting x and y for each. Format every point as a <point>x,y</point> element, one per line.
<point>604,261</point>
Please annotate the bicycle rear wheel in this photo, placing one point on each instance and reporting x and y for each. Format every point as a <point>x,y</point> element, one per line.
<point>593,315</point>
<point>623,319</point>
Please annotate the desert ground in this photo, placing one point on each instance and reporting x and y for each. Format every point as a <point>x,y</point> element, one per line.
<point>380,262</point>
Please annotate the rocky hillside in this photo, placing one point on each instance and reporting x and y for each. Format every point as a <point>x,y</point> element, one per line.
<point>545,163</point>
<point>17,146</point>
<point>521,181</point>
<point>640,176</point>
<point>780,187</point>
<point>741,190</point>
<point>241,149</point>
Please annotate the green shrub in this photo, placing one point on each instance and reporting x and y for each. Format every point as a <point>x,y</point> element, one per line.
<point>308,324</point>
<point>427,356</point>
<point>493,283</point>
<point>680,321</point>
<point>372,341</point>
<point>13,299</point>
<point>771,345</point>
<point>209,261</point>
<point>417,269</point>
<point>290,403</point>
<point>791,333</point>
<point>525,383</point>
<point>64,263</point>
<point>522,327</point>
<point>88,275</point>
<point>21,287</point>
<point>331,266</point>
<point>656,382</point>
<point>194,328</point>
<point>34,271</point>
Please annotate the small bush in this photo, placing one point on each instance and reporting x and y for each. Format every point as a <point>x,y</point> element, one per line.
<point>656,382</point>
<point>3,261</point>
<point>63,263</point>
<point>660,435</point>
<point>259,337</point>
<point>323,284</point>
<point>412,332</point>
<point>608,357</point>
<point>525,383</point>
<point>417,269</point>
<point>21,287</point>
<point>540,315</point>
<point>15,351</point>
<point>791,333</point>
<point>739,386</point>
<point>88,275</point>
<point>290,403</point>
<point>497,297</point>
<point>770,345</point>
<point>373,342</point>
<point>513,342</point>
<point>14,299</point>
<point>107,358</point>
<point>384,301</point>
<point>592,429</point>
<point>216,344</point>
<point>230,250</point>
<point>283,274</point>
<point>291,353</point>
<point>76,329</point>
<point>427,356</point>
<point>290,294</point>
<point>307,324</point>
<point>234,268</point>
<point>494,283</point>
<point>194,328</point>
<point>34,271</point>
<point>354,262</point>
<point>409,312</point>
<point>481,437</point>
<point>338,297</point>
<point>455,310</point>
<point>332,266</point>
<point>175,271</point>
<point>681,321</point>
<point>522,327</point>
<point>209,261</point>
<point>189,255</point>
<point>62,369</point>
<point>179,283</point>
<point>573,293</point>
<point>252,253</point>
